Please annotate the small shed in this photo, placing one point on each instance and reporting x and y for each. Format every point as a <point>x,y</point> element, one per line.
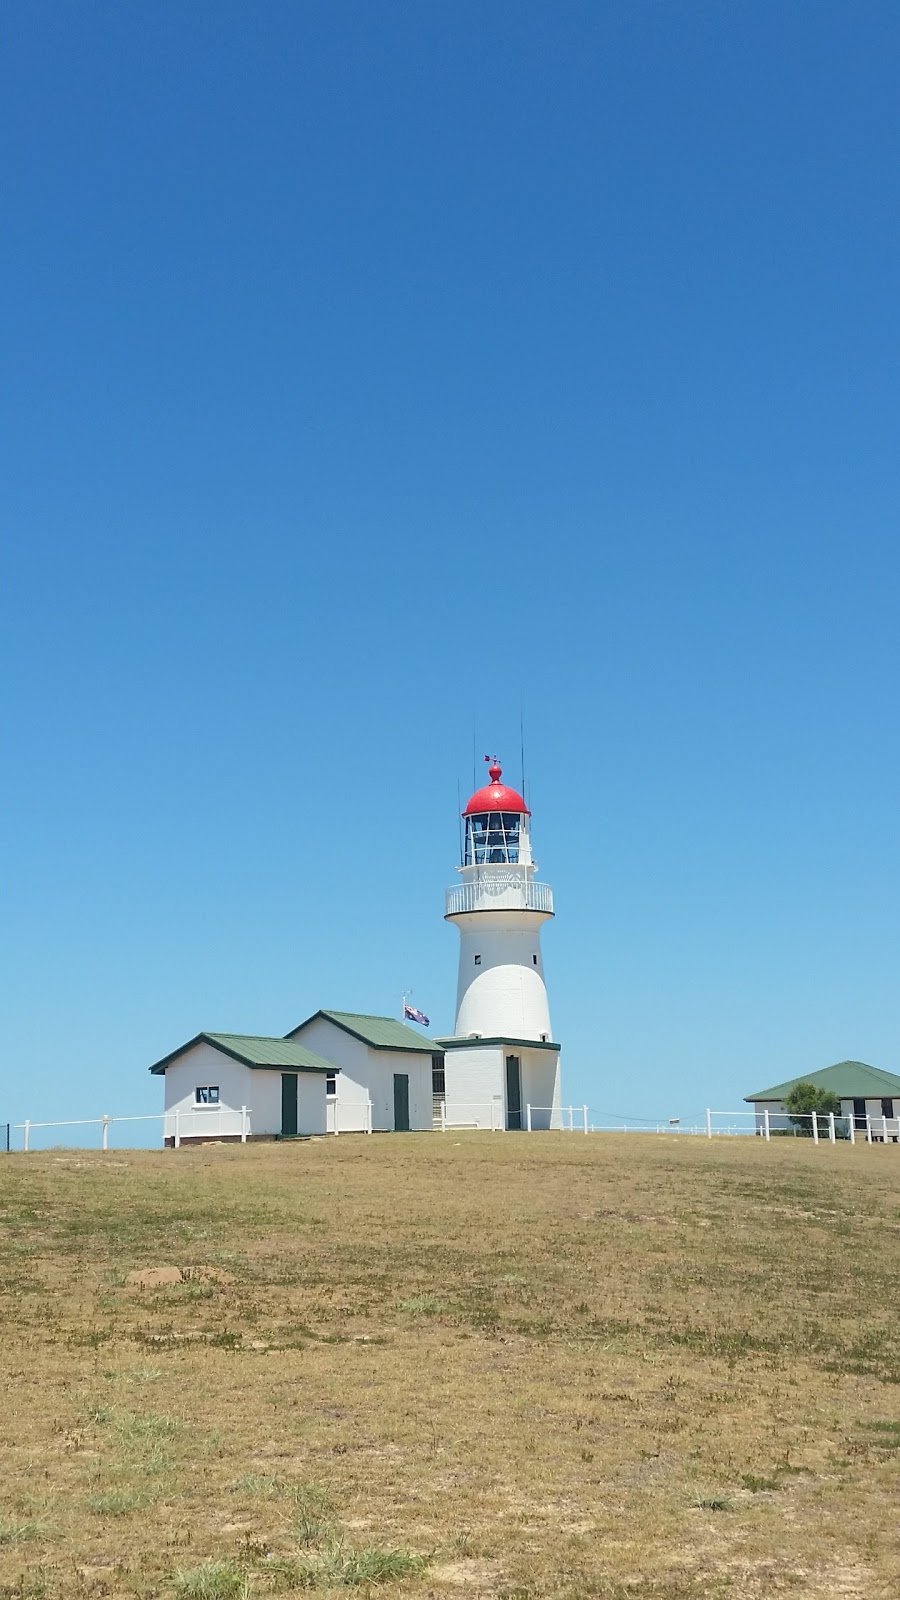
<point>236,1086</point>
<point>863,1091</point>
<point>387,1071</point>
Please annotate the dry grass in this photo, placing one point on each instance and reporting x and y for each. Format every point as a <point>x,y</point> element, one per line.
<point>629,1368</point>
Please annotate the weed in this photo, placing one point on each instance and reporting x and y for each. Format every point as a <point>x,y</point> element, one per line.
<point>213,1580</point>
<point>713,1503</point>
<point>20,1532</point>
<point>117,1503</point>
<point>339,1566</point>
<point>137,1428</point>
<point>262,1484</point>
<point>423,1305</point>
<point>314,1517</point>
<point>757,1484</point>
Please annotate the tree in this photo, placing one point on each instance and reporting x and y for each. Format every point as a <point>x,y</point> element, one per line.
<point>807,1100</point>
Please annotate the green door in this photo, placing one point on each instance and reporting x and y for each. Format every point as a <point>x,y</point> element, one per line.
<point>288,1104</point>
<point>401,1102</point>
<point>513,1092</point>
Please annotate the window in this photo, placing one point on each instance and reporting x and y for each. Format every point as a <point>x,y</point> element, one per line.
<point>545,1038</point>
<point>438,1079</point>
<point>534,959</point>
<point>478,961</point>
<point>331,1083</point>
<point>207,1096</point>
<point>887,1108</point>
<point>492,836</point>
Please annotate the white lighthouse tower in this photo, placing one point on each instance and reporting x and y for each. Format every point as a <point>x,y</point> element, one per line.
<point>502,1057</point>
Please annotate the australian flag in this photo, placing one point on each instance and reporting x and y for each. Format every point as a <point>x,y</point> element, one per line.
<point>410,1014</point>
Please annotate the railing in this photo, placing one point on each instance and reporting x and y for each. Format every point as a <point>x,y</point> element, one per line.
<point>819,1126</point>
<point>216,1123</point>
<point>502,891</point>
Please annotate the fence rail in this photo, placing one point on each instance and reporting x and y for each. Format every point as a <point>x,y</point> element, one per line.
<point>219,1122</point>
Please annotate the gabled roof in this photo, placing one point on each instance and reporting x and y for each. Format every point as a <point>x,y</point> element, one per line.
<point>254,1050</point>
<point>382,1033</point>
<point>850,1080</point>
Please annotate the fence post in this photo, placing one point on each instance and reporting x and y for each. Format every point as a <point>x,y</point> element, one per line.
<point>25,1132</point>
<point>868,1128</point>
<point>584,1117</point>
<point>851,1126</point>
<point>444,1117</point>
<point>708,1123</point>
<point>177,1138</point>
<point>368,1116</point>
<point>528,1116</point>
<point>104,1137</point>
<point>815,1126</point>
<point>831,1128</point>
<point>571,1119</point>
<point>767,1127</point>
<point>243,1124</point>
<point>884,1130</point>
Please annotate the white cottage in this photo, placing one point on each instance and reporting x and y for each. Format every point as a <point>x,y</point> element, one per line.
<point>384,1074</point>
<point>240,1086</point>
<point>869,1096</point>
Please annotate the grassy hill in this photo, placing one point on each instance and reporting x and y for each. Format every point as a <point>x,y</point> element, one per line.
<point>649,1367</point>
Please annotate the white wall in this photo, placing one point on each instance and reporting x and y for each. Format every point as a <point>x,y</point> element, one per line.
<point>540,1086</point>
<point>368,1074</point>
<point>255,1087</point>
<point>474,1081</point>
<point>476,1076</point>
<point>504,993</point>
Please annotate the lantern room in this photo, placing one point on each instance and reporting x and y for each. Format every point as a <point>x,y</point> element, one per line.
<point>496,824</point>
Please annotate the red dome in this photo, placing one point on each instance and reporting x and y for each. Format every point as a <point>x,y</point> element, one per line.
<point>496,796</point>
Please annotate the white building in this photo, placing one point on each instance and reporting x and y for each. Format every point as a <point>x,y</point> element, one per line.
<point>502,1057</point>
<point>383,1075</point>
<point>338,1072</point>
<point>345,1072</point>
<point>233,1086</point>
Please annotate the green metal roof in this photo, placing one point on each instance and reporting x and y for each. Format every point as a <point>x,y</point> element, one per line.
<point>382,1033</point>
<point>254,1050</point>
<point>474,1043</point>
<point>850,1080</point>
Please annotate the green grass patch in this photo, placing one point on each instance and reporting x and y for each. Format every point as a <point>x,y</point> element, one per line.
<point>212,1580</point>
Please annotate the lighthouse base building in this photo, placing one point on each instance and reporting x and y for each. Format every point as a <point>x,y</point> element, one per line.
<point>499,1083</point>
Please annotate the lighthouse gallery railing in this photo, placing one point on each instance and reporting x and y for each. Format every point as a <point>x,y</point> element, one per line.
<point>493,894</point>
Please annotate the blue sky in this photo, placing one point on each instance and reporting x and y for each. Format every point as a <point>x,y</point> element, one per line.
<point>375,373</point>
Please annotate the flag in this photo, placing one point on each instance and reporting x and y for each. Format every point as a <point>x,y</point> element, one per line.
<point>412,1015</point>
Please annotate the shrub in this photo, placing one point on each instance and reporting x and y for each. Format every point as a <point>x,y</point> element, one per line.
<point>807,1100</point>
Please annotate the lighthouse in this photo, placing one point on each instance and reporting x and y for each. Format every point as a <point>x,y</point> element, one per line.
<point>502,1058</point>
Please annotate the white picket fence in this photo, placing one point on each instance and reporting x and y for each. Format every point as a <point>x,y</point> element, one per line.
<point>218,1122</point>
<point>213,1122</point>
<point>819,1126</point>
